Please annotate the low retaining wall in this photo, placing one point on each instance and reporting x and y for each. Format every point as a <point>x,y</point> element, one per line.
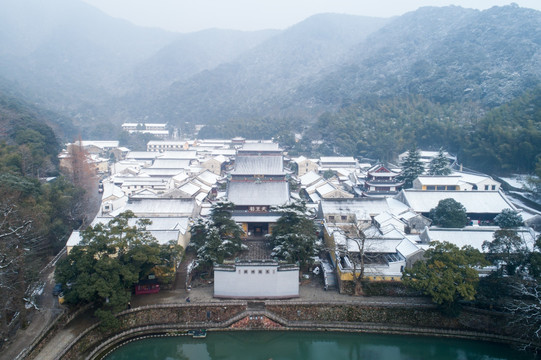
<point>155,318</point>
<point>394,319</point>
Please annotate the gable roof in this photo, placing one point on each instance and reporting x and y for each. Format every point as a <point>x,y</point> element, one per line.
<point>363,208</point>
<point>259,165</point>
<point>477,202</point>
<point>273,193</point>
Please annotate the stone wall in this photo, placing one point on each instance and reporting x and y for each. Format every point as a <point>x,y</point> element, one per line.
<point>423,319</point>
<point>428,316</point>
<point>179,316</point>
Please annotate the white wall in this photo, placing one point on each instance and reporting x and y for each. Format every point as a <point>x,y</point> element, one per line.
<point>257,280</point>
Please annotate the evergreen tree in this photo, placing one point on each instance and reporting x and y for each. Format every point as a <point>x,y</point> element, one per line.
<point>439,165</point>
<point>447,274</point>
<point>508,219</point>
<point>217,238</point>
<point>294,235</point>
<point>110,260</point>
<point>507,247</point>
<point>449,214</point>
<point>412,167</point>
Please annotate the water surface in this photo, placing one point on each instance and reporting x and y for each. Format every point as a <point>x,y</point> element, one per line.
<point>282,345</point>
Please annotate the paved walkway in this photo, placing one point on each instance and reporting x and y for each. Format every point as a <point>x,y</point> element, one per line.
<point>309,292</point>
<point>202,292</point>
<point>39,320</point>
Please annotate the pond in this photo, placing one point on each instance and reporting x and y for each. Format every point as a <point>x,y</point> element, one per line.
<point>281,345</point>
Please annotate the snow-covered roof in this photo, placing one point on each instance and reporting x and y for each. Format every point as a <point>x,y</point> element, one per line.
<point>474,236</point>
<point>337,160</point>
<point>190,189</point>
<point>488,202</point>
<point>178,164</point>
<point>363,208</point>
<point>143,155</point>
<point>159,207</point>
<point>474,178</point>
<point>259,165</point>
<point>325,189</point>
<point>145,181</point>
<point>179,155</point>
<point>164,236</point>
<point>208,177</point>
<point>260,146</point>
<point>258,193</point>
<point>103,144</point>
<point>439,180</point>
<point>164,223</point>
<point>74,239</point>
<point>219,158</point>
<point>313,187</point>
<point>110,190</point>
<point>160,172</point>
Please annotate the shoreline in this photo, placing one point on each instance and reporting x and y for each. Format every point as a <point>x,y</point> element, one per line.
<point>395,319</point>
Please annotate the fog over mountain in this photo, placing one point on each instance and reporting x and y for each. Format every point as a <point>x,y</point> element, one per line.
<point>67,56</point>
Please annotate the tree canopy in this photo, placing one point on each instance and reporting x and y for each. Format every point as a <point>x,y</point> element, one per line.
<point>508,219</point>
<point>507,250</point>
<point>439,165</point>
<point>412,167</point>
<point>218,237</point>
<point>449,214</point>
<point>447,274</point>
<point>109,261</point>
<point>294,235</point>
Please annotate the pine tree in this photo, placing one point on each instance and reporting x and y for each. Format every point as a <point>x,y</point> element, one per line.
<point>218,237</point>
<point>412,167</point>
<point>439,165</point>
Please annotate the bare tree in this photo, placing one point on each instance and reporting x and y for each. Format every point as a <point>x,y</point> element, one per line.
<point>356,236</point>
<point>18,241</point>
<point>83,175</point>
<point>359,239</point>
<point>526,310</point>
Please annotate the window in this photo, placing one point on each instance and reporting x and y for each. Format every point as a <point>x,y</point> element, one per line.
<point>246,271</point>
<point>343,217</point>
<point>260,271</point>
<point>267,271</point>
<point>486,187</point>
<point>493,187</point>
<point>431,187</point>
<point>253,271</point>
<point>331,217</point>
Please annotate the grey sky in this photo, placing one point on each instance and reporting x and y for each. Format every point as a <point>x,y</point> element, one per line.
<point>194,15</point>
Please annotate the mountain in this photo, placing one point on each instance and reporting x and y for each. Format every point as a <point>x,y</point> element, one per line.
<point>447,54</point>
<point>67,56</point>
<point>247,85</point>
<point>190,54</point>
<point>66,53</point>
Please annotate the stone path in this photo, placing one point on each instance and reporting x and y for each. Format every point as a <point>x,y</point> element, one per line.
<point>39,320</point>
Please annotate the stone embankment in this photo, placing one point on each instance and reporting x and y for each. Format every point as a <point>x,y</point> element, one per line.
<point>394,318</point>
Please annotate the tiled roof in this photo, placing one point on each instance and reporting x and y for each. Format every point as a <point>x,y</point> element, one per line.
<point>488,202</point>
<point>262,193</point>
<point>259,165</point>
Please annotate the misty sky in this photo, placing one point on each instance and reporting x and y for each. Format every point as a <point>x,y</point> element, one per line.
<point>194,15</point>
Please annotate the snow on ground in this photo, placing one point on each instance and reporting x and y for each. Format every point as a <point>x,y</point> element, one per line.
<point>528,212</point>
<point>518,181</point>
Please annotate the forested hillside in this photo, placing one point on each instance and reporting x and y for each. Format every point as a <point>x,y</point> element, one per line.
<point>505,140</point>
<point>36,216</point>
<point>367,86</point>
<point>447,54</point>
